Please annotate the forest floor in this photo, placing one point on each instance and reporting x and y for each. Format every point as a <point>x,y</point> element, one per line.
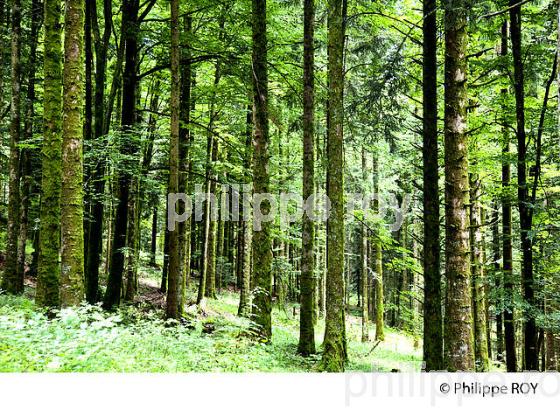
<point>214,339</point>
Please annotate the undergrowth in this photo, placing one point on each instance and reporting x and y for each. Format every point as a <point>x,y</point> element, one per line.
<point>137,339</point>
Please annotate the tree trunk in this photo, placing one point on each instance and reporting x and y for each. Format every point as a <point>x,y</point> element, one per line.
<point>95,230</point>
<point>12,281</point>
<point>458,321</point>
<point>509,328</point>
<point>306,331</point>
<point>206,227</point>
<point>124,177</point>
<point>477,273</point>
<point>165,267</point>
<point>551,361</point>
<point>433,323</point>
<point>378,261</point>
<point>132,239</point>
<point>153,239</point>
<point>48,271</point>
<point>246,225</point>
<point>498,283</point>
<point>26,153</point>
<point>185,142</point>
<point>72,204</point>
<point>262,246</point>
<point>364,259</point>
<point>173,309</point>
<point>334,345</point>
<point>210,260</point>
<point>525,209</point>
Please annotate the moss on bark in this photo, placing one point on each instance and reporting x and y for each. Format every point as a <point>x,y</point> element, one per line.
<point>48,275</point>
<point>72,204</point>
<point>334,345</point>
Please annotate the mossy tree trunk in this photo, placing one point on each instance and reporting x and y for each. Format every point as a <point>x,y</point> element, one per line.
<point>334,345</point>
<point>433,321</point>
<point>12,281</point>
<point>459,353</point>
<point>48,270</point>
<point>306,344</point>
<point>261,244</point>
<point>72,204</point>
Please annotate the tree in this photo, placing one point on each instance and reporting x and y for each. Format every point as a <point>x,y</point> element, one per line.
<point>185,163</point>
<point>364,270</point>
<point>27,154</point>
<point>477,273</point>
<point>174,275</point>
<point>509,329</point>
<point>72,203</point>
<point>245,234</point>
<point>262,244</point>
<point>12,281</point>
<point>95,228</point>
<point>130,26</point>
<point>458,321</point>
<point>433,324</point>
<point>48,275</point>
<point>530,351</point>
<point>306,331</point>
<point>378,261</point>
<point>334,344</point>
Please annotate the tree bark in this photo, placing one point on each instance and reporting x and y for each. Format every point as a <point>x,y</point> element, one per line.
<point>246,225</point>
<point>95,230</point>
<point>525,212</point>
<point>508,314</point>
<point>173,310</point>
<point>433,322</point>
<point>334,344</point>
<point>477,273</point>
<point>262,245</point>
<point>378,261</point>
<point>306,344</point>
<point>27,153</point>
<point>48,272</point>
<point>185,163</point>
<point>12,281</point>
<point>364,271</point>
<point>128,120</point>
<point>210,259</point>
<point>459,353</point>
<point>498,282</point>
<point>72,204</point>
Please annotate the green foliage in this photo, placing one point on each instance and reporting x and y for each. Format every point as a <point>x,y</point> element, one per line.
<point>88,339</point>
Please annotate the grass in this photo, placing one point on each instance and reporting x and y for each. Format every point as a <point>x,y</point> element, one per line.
<point>137,339</point>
